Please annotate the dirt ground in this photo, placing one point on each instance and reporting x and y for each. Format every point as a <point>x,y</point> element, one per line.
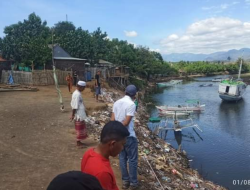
<point>37,140</point>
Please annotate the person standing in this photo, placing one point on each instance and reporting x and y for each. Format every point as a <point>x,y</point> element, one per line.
<point>96,162</point>
<point>97,85</point>
<point>78,113</point>
<point>75,77</point>
<point>124,111</point>
<point>69,80</point>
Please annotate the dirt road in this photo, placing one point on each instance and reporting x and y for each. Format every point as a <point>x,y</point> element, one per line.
<point>37,140</point>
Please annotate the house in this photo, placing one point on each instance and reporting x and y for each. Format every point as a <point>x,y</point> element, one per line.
<point>65,62</point>
<point>182,72</point>
<point>118,76</point>
<point>102,66</point>
<point>103,63</point>
<point>4,65</point>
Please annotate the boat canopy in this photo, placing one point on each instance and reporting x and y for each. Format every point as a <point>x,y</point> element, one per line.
<point>232,82</point>
<point>192,101</point>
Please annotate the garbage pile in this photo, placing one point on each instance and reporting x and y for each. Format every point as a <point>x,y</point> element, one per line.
<point>160,166</point>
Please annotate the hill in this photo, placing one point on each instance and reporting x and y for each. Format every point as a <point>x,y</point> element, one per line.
<point>217,56</point>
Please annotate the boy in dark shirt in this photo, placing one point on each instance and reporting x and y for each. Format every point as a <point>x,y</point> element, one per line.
<point>97,85</point>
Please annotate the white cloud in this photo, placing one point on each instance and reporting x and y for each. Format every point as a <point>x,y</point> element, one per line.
<point>208,36</point>
<point>173,37</point>
<point>220,8</point>
<point>156,50</point>
<point>108,38</point>
<point>130,33</point>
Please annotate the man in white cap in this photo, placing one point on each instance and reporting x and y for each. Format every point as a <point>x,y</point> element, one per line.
<point>124,111</point>
<point>78,113</point>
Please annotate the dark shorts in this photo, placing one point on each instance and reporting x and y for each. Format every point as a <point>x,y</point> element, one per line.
<point>98,90</point>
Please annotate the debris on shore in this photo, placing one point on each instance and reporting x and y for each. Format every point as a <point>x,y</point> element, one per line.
<point>159,163</point>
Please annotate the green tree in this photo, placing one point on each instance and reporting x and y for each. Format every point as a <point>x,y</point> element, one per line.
<point>99,44</point>
<point>62,28</point>
<point>1,44</point>
<point>27,41</point>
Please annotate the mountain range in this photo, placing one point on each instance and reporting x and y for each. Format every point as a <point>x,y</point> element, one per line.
<point>217,56</point>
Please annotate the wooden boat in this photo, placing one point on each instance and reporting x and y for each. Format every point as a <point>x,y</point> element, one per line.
<point>217,80</point>
<point>192,105</point>
<point>205,85</point>
<point>231,89</point>
<point>179,113</point>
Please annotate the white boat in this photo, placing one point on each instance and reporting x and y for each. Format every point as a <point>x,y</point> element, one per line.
<point>195,106</point>
<point>171,113</point>
<point>217,80</point>
<point>231,89</point>
<point>170,83</point>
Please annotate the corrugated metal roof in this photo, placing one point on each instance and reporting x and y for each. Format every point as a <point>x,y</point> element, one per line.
<point>104,62</point>
<point>69,58</point>
<point>60,52</point>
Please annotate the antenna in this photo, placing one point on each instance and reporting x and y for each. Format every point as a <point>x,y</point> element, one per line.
<point>240,65</point>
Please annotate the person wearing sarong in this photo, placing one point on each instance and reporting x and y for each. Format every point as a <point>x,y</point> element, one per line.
<point>78,113</point>
<point>69,80</point>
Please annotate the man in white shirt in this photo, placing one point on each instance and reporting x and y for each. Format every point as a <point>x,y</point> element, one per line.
<point>78,113</point>
<point>123,111</point>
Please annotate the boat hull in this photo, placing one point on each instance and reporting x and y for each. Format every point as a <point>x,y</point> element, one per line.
<point>229,98</point>
<point>166,108</point>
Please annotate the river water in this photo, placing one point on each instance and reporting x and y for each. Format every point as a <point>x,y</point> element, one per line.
<point>221,152</point>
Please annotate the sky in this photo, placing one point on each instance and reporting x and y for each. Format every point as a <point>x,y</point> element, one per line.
<point>166,26</point>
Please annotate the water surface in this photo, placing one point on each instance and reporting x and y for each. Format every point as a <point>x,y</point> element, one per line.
<point>221,153</point>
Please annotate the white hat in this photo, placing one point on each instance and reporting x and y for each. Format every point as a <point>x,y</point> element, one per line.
<point>81,83</point>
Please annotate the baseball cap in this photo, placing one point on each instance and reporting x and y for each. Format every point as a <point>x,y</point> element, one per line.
<point>76,180</point>
<point>131,90</point>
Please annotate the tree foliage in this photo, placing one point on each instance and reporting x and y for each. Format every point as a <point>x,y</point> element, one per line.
<point>27,41</point>
<point>1,44</point>
<point>200,67</point>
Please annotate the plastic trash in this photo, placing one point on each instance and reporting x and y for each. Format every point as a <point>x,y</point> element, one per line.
<point>166,179</point>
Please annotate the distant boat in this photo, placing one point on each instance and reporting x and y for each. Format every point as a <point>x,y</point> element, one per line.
<point>205,85</point>
<point>217,80</point>
<point>170,83</point>
<point>232,89</point>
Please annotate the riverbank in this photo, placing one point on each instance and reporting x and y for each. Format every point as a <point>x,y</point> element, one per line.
<point>245,76</point>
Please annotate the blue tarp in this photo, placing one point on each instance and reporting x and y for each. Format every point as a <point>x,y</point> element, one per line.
<point>10,80</point>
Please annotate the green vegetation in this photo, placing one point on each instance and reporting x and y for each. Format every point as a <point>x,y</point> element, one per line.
<point>28,41</point>
<point>201,67</point>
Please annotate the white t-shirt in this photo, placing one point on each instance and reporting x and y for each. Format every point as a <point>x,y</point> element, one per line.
<point>125,107</point>
<point>77,103</point>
